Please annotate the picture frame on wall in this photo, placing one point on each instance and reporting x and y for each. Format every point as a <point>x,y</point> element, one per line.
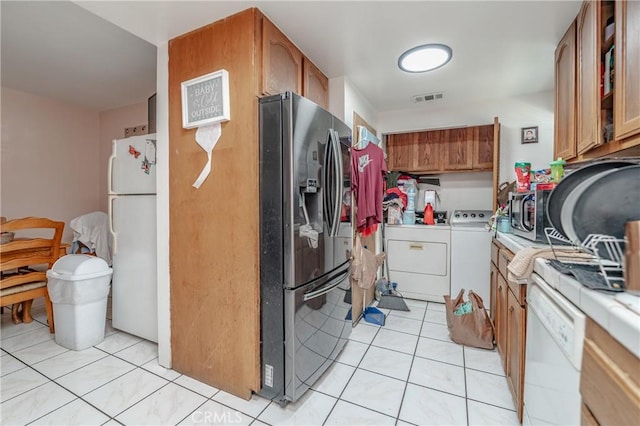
<point>205,100</point>
<point>530,134</point>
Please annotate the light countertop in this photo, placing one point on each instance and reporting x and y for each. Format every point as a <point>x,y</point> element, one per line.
<point>602,307</point>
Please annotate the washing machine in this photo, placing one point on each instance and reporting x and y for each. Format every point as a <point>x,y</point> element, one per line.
<point>471,252</point>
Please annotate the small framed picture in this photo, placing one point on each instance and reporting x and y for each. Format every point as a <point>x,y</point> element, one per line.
<point>205,100</point>
<point>530,134</point>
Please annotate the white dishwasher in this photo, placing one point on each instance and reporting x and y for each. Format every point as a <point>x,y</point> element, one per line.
<point>555,337</point>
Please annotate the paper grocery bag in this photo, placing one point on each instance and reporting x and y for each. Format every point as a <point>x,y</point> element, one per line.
<point>473,328</point>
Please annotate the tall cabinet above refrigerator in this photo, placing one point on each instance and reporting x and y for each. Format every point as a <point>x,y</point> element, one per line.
<point>132,222</point>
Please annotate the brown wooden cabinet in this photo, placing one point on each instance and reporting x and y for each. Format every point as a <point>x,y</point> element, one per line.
<point>315,85</point>
<point>224,356</point>
<point>458,149</point>
<point>627,69</point>
<point>588,87</point>
<point>463,149</point>
<point>565,96</point>
<point>501,319</point>
<point>281,62</point>
<point>606,121</point>
<point>482,156</point>
<point>586,416</point>
<point>284,67</point>
<point>516,320</point>
<point>493,287</point>
<point>609,380</point>
<point>401,151</point>
<point>510,319</point>
<point>429,146</point>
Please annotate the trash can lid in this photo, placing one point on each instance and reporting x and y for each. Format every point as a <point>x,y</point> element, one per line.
<point>74,267</point>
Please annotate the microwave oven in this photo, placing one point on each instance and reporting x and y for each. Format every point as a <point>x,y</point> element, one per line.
<point>528,214</point>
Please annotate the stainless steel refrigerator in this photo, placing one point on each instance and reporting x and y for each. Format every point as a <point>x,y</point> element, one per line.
<point>304,177</point>
<point>132,222</point>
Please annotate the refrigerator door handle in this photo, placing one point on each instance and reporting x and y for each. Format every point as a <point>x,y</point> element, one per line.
<point>330,285</point>
<point>110,173</point>
<point>337,164</point>
<point>114,245</point>
<point>328,163</point>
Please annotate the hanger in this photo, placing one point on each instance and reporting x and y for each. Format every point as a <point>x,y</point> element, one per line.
<point>364,138</point>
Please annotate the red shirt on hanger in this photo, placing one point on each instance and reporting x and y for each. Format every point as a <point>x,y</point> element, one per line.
<point>367,186</point>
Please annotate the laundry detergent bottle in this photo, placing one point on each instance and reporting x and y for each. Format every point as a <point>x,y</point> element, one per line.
<point>428,215</point>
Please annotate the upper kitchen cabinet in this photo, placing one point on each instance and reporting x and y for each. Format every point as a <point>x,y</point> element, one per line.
<point>587,80</point>
<point>565,99</point>
<point>315,84</point>
<point>464,149</point>
<point>401,151</point>
<point>606,85</point>
<point>285,68</point>
<point>429,146</point>
<point>458,149</point>
<point>281,62</point>
<point>483,147</point>
<point>627,69</point>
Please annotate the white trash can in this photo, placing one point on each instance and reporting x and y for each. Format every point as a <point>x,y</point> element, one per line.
<point>78,286</point>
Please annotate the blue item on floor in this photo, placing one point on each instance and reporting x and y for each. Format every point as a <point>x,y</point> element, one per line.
<point>373,315</point>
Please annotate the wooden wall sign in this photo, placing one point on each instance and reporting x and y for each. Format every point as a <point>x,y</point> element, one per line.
<point>205,100</point>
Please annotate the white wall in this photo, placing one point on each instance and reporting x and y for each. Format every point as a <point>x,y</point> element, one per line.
<point>112,124</point>
<point>463,191</point>
<point>336,97</point>
<point>49,159</point>
<point>354,101</point>
<point>162,204</point>
<point>345,99</point>
<point>513,114</point>
<point>55,154</point>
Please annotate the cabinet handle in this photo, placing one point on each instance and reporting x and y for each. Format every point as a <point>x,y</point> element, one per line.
<point>415,246</point>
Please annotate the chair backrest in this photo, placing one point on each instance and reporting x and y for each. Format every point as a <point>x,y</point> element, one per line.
<point>18,257</point>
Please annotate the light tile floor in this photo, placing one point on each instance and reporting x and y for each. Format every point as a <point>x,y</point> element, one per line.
<point>407,372</point>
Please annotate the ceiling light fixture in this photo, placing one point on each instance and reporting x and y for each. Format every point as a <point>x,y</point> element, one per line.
<point>425,58</point>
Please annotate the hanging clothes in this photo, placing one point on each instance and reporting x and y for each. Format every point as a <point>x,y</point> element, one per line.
<point>367,186</point>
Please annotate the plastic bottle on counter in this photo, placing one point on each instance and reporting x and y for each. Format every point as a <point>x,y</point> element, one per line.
<point>427,219</point>
<point>409,216</point>
<point>411,195</point>
<point>557,169</point>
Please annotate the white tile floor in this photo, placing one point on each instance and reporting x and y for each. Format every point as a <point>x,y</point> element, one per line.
<point>407,372</point>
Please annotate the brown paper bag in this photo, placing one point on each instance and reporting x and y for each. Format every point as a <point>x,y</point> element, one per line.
<point>472,329</point>
<point>364,267</point>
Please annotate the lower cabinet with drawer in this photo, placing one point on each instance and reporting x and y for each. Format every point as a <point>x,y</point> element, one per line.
<point>609,380</point>
<point>510,320</point>
<point>418,260</point>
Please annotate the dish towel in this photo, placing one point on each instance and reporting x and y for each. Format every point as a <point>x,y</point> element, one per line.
<point>521,266</point>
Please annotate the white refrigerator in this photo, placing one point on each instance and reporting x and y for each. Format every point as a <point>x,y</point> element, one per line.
<point>132,222</point>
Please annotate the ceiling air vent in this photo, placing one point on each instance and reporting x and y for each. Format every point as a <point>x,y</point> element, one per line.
<point>428,97</point>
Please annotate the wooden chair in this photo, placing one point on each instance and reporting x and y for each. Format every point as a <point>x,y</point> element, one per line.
<point>22,262</point>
